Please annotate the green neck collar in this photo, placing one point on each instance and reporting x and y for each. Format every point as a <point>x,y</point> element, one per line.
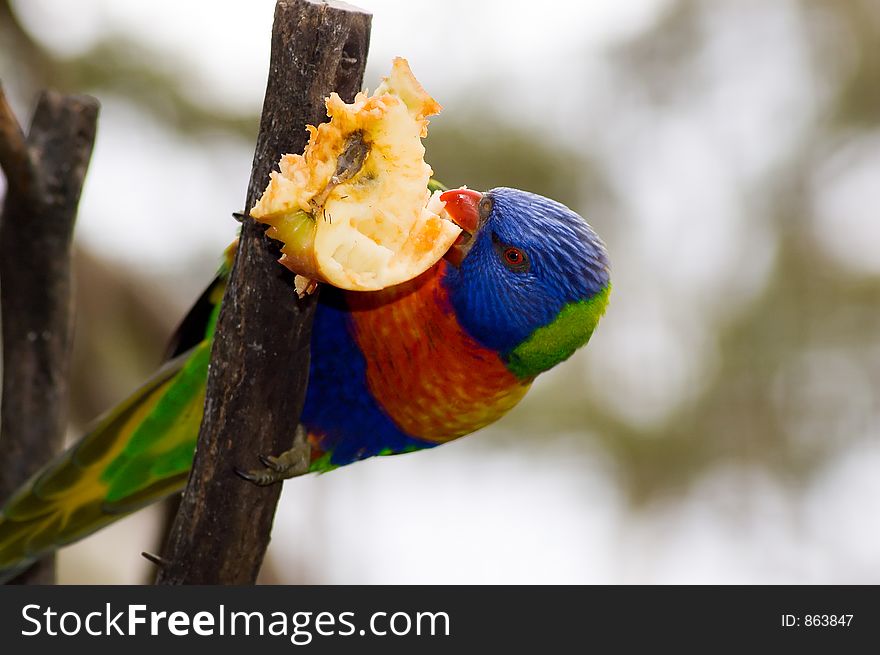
<point>555,342</point>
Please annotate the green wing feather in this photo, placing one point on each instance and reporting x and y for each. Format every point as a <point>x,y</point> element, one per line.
<point>136,454</point>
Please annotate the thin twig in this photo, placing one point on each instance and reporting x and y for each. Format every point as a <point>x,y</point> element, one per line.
<point>15,158</point>
<point>155,559</point>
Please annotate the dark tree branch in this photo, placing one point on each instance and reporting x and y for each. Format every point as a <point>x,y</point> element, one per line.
<point>44,176</point>
<point>260,359</point>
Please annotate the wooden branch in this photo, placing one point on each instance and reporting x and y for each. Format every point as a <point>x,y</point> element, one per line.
<point>44,176</point>
<point>260,358</point>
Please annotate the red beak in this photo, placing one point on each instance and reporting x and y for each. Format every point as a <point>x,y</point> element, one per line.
<point>463,206</point>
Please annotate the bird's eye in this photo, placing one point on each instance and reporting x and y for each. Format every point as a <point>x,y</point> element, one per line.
<point>515,259</point>
<point>513,256</point>
<point>485,206</point>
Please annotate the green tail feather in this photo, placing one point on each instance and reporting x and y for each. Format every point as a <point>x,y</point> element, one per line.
<point>138,453</point>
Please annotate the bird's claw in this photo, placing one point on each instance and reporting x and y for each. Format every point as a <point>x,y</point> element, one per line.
<point>260,477</point>
<point>288,464</point>
<point>270,462</point>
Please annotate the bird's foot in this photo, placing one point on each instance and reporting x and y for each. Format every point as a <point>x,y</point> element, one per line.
<point>288,464</point>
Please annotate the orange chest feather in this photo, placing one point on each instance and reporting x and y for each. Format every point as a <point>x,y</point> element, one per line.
<point>431,378</point>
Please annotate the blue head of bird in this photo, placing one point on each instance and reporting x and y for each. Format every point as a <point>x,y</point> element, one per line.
<point>530,278</point>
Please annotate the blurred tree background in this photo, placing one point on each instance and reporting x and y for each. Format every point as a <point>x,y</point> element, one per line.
<point>723,424</point>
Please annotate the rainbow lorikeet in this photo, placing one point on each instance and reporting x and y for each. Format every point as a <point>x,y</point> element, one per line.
<point>393,371</point>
